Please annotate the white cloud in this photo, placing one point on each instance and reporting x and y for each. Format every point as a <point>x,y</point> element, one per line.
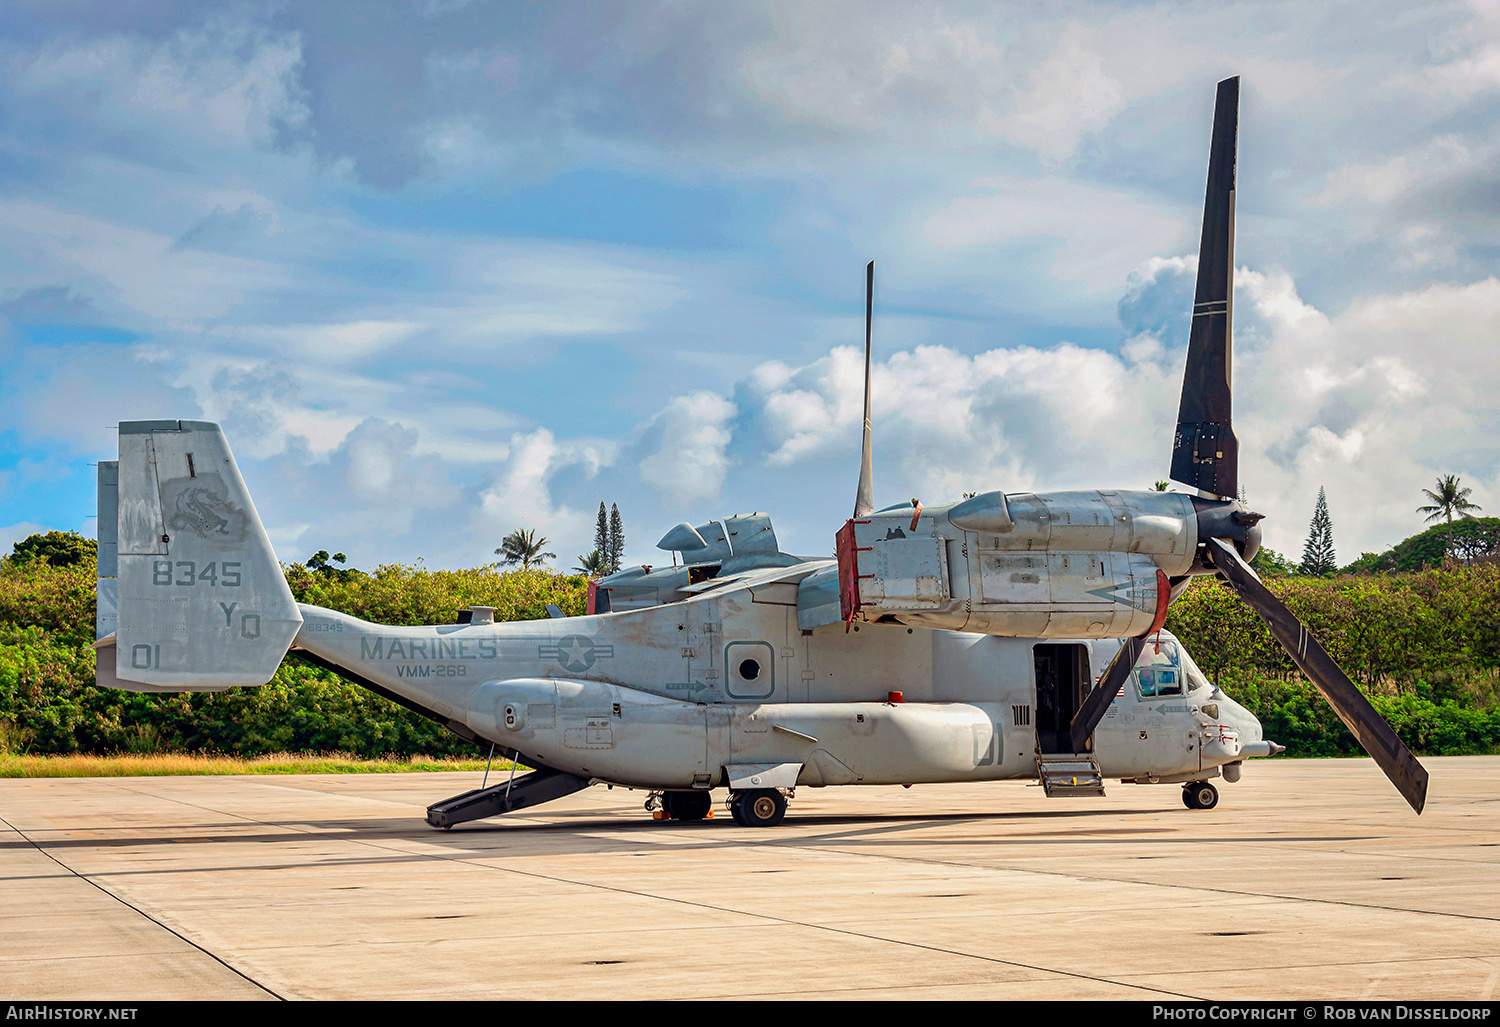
<point>1068,94</point>
<point>1101,234</point>
<point>690,462</point>
<point>521,496</point>
<point>229,83</point>
<point>1380,183</point>
<point>144,269</point>
<point>10,534</point>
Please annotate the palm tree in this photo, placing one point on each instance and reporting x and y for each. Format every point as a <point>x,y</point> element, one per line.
<point>593,565</point>
<point>1448,500</point>
<point>523,547</point>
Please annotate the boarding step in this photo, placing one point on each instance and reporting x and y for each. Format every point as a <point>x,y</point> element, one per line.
<point>531,789</point>
<point>1069,774</point>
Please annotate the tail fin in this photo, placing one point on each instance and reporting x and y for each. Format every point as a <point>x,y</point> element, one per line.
<point>191,596</point>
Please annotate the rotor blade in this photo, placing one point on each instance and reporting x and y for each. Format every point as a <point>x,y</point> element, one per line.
<point>1205,453</point>
<point>1097,703</point>
<point>864,498</point>
<point>1377,737</point>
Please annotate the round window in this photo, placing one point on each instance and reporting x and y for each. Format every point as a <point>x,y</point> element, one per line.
<point>749,670</point>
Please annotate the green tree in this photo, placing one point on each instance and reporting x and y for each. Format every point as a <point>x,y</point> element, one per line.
<point>1448,500</point>
<point>1268,563</point>
<point>1162,486</point>
<point>592,565</point>
<point>58,548</point>
<point>601,533</point>
<point>523,547</point>
<point>321,563</point>
<point>1317,555</point>
<point>616,538</point>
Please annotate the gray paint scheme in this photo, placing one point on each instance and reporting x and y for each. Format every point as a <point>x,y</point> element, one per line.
<point>201,597</point>
<point>748,672</point>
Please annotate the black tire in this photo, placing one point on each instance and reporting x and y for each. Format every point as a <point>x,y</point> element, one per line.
<point>1200,795</point>
<point>759,807</point>
<point>687,805</point>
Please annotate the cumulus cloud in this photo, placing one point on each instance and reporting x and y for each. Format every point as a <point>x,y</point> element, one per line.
<point>226,83</point>
<point>689,440</point>
<point>1365,402</point>
<point>521,495</point>
<point>1066,95</point>
<point>322,233</point>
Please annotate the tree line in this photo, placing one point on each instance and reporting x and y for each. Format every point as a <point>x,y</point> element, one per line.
<point>1417,629</point>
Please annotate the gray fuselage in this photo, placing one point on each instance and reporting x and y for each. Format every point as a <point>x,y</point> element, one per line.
<point>668,696</point>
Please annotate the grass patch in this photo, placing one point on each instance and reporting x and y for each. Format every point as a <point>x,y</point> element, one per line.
<point>182,764</point>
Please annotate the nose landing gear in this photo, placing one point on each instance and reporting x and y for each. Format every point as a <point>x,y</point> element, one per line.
<point>1200,795</point>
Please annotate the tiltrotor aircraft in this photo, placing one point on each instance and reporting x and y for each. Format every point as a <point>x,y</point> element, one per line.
<point>1007,636</point>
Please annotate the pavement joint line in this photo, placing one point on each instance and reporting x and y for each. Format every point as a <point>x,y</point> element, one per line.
<point>1151,884</point>
<point>142,913</point>
<point>471,861</point>
<point>787,921</point>
<point>477,862</point>
<point>937,862</point>
<point>971,866</point>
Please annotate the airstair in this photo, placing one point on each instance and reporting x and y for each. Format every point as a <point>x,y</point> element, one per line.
<point>531,789</point>
<point>1064,774</point>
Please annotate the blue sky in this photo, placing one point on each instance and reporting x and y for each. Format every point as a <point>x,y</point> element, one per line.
<point>443,269</point>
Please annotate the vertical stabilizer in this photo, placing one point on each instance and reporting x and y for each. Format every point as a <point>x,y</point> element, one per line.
<point>200,600</point>
<point>106,612</point>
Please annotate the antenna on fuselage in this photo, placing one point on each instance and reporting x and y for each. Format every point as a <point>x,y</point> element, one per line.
<point>864,497</point>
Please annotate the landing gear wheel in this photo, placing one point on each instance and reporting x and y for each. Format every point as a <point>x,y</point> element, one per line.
<point>1200,795</point>
<point>687,805</point>
<point>760,807</point>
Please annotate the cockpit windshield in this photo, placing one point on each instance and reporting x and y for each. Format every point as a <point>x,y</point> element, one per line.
<point>1167,669</point>
<point>1159,670</point>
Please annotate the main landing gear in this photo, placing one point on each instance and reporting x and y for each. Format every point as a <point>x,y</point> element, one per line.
<point>758,807</point>
<point>1199,795</point>
<point>686,805</point>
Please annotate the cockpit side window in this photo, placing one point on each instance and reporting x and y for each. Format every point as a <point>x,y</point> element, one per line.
<point>1196,679</point>
<point>1159,673</point>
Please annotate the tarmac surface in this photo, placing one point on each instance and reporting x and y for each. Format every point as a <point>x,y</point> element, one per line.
<point>1311,880</point>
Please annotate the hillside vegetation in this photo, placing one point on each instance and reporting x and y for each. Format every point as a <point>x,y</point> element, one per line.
<point>49,703</point>
<point>1424,645</point>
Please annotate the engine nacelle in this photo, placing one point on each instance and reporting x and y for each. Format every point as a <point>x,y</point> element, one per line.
<point>1052,565</point>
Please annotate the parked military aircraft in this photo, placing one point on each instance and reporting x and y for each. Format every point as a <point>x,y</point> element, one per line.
<point>1004,636</point>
